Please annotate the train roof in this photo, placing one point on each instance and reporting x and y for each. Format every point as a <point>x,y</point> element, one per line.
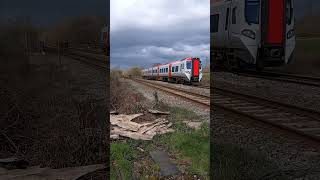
<point>173,62</point>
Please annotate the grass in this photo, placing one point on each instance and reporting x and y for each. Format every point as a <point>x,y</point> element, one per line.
<point>190,145</point>
<point>231,162</point>
<point>121,156</point>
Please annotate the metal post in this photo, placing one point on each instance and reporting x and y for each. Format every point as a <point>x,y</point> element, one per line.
<point>59,53</point>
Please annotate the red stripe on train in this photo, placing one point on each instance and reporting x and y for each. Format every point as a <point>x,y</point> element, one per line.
<point>276,21</point>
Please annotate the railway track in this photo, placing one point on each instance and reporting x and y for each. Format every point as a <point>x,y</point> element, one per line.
<point>284,77</point>
<point>100,63</point>
<point>190,96</point>
<point>299,120</point>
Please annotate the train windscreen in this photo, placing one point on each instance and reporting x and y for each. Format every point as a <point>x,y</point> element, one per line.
<point>252,11</point>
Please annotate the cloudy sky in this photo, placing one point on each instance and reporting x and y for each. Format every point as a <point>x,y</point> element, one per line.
<point>45,12</point>
<point>144,32</point>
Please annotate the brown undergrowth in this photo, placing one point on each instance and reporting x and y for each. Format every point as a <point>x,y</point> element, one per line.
<point>43,121</point>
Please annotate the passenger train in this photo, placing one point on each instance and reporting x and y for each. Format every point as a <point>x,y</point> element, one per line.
<point>187,70</point>
<point>246,33</point>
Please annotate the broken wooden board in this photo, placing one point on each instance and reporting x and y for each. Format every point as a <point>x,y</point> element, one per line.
<point>158,112</point>
<point>130,134</point>
<point>37,173</point>
<point>122,125</point>
<point>114,112</point>
<point>124,121</point>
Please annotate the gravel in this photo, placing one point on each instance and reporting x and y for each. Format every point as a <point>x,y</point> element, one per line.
<point>191,88</point>
<point>171,100</point>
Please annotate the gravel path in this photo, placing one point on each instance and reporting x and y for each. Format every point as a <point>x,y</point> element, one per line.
<point>171,100</point>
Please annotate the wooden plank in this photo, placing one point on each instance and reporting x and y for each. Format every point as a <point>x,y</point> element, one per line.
<point>130,134</point>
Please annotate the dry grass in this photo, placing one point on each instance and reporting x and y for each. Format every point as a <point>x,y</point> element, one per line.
<point>42,122</point>
<point>122,97</point>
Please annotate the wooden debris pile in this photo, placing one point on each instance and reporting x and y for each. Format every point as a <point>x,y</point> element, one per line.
<point>122,125</point>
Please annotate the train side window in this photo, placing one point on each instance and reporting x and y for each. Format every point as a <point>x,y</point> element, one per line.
<point>234,17</point>
<point>214,23</point>
<point>227,20</point>
<point>166,69</point>
<point>172,69</point>
<point>177,69</point>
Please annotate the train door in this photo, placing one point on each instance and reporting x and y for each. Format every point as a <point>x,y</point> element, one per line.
<point>227,23</point>
<point>158,73</point>
<point>234,25</point>
<point>170,75</point>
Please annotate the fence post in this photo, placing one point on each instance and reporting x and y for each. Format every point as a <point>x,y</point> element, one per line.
<point>59,53</point>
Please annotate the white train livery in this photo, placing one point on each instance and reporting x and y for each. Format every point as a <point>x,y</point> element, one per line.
<point>252,32</point>
<point>187,70</point>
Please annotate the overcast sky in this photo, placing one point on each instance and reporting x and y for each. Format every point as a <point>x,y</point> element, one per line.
<point>144,32</point>
<point>46,12</point>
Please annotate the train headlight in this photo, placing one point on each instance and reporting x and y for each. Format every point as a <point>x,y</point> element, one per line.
<point>290,34</point>
<point>249,33</point>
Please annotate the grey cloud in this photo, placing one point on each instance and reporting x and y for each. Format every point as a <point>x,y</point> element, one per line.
<point>171,34</point>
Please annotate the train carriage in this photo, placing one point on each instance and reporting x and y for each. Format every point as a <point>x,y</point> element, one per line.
<point>252,32</point>
<point>187,70</point>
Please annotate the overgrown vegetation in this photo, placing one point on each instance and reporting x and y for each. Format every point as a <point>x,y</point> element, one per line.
<point>77,30</point>
<point>42,119</point>
<point>46,123</point>
<point>133,72</point>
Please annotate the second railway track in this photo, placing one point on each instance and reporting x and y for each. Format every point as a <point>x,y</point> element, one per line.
<point>284,77</point>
